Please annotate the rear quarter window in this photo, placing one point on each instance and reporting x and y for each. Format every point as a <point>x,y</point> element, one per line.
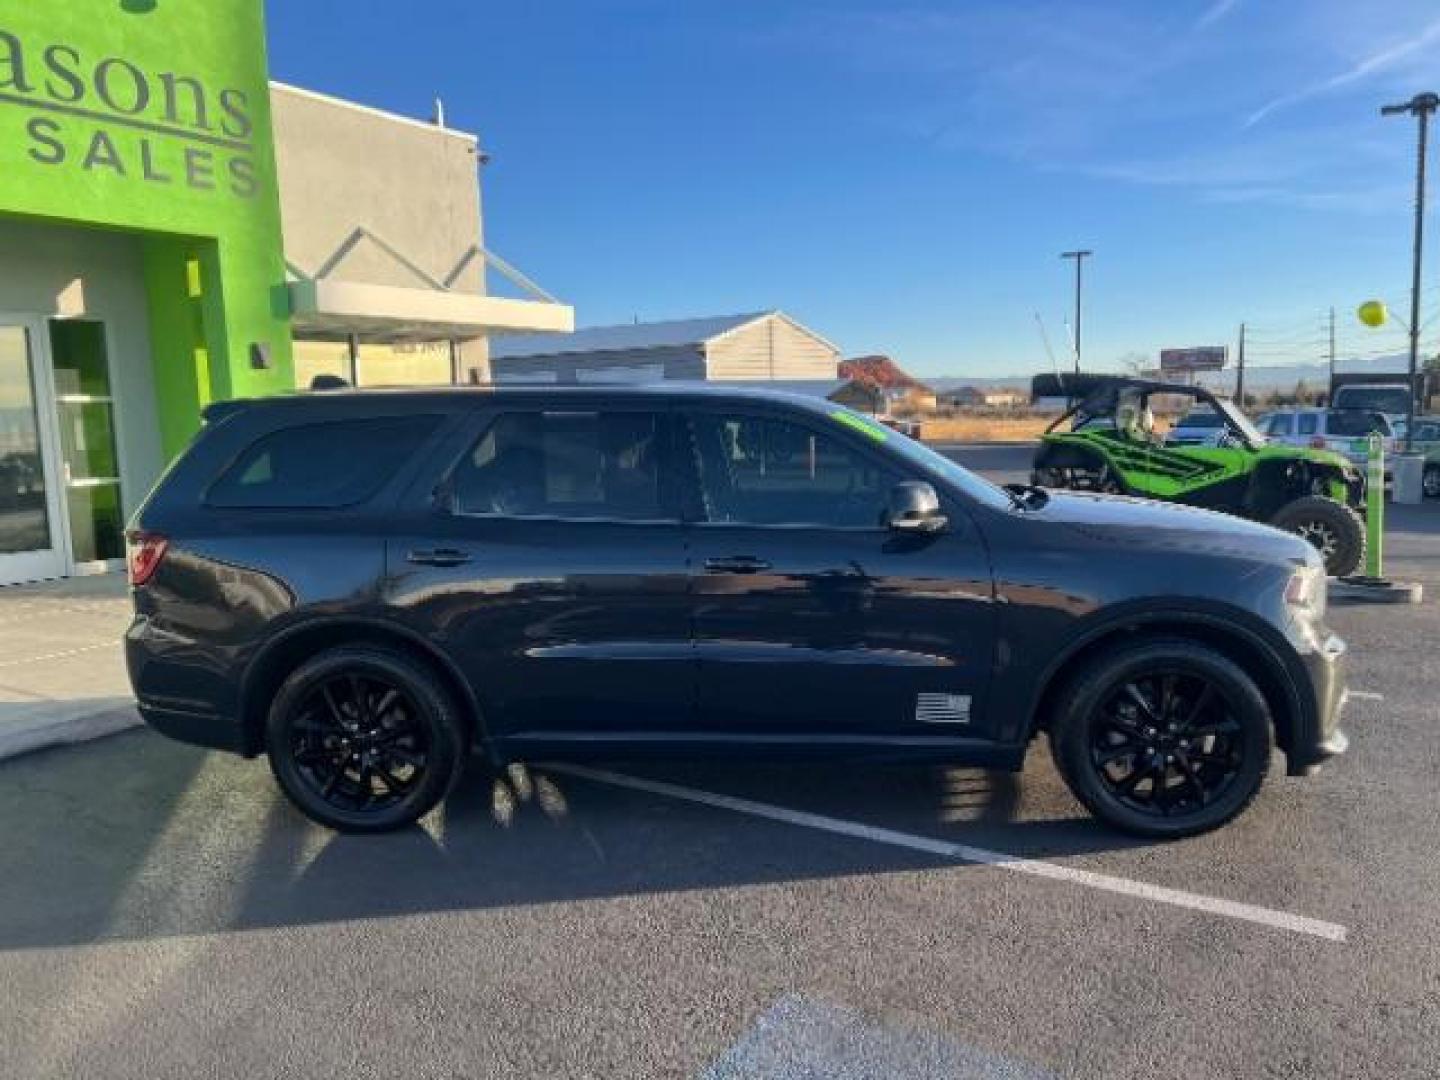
<point>320,466</point>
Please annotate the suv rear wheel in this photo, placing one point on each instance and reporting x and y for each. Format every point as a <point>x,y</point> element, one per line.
<point>1165,739</point>
<point>364,739</point>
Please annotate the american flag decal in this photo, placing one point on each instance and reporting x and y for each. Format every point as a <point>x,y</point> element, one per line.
<point>942,708</point>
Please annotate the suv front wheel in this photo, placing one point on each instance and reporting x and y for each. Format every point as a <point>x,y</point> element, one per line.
<point>364,739</point>
<point>1163,739</point>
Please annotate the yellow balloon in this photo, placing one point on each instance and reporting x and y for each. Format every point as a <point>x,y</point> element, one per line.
<point>1373,313</point>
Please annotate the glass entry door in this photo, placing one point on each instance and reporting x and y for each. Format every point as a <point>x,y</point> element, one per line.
<point>90,465</point>
<point>32,543</point>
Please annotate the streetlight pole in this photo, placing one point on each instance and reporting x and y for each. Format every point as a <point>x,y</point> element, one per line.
<point>1421,106</point>
<point>1332,351</point>
<point>1079,257</point>
<point>1240,373</point>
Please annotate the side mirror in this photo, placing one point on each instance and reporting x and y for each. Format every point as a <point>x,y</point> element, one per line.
<point>914,508</point>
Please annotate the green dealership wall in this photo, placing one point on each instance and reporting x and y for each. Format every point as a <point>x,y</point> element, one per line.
<point>153,117</point>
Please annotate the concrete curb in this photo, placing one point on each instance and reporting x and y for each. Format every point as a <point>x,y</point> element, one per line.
<point>62,728</point>
<point>1362,590</point>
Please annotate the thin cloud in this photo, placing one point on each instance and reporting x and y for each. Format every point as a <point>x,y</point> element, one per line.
<point>1215,12</point>
<point>1377,62</point>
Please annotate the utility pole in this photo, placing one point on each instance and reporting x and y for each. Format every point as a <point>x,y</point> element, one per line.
<point>1332,351</point>
<point>1240,372</point>
<point>1422,107</point>
<point>1079,257</point>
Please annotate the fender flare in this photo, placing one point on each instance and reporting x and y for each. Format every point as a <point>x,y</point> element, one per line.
<point>362,625</point>
<point>1223,622</point>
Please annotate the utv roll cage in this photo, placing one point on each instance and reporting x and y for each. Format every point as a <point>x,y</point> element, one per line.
<point>1097,396</point>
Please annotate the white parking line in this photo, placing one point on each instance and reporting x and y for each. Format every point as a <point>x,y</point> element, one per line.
<point>1365,695</point>
<point>1230,909</point>
<point>23,660</point>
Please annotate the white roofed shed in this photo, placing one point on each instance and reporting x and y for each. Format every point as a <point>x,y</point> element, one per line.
<point>762,345</point>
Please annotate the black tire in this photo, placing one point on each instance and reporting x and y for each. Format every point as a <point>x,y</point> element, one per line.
<point>1335,530</point>
<point>1200,754</point>
<point>364,739</point>
<point>1430,482</point>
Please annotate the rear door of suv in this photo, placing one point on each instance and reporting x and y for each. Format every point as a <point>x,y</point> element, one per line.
<point>545,554</point>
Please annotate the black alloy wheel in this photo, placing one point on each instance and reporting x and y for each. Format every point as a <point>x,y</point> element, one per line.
<point>357,743</point>
<point>1163,739</point>
<point>1165,743</point>
<point>364,739</point>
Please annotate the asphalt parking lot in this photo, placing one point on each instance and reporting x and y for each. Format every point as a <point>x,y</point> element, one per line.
<point>164,914</point>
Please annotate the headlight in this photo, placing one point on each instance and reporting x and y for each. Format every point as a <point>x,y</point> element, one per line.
<point>1306,593</point>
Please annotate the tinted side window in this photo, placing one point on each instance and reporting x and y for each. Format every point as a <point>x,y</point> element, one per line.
<point>1307,423</point>
<point>565,464</point>
<point>1279,425</point>
<point>321,466</point>
<point>759,471</point>
<point>1356,422</point>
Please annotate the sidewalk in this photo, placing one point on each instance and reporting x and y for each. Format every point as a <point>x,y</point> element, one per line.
<point>62,672</point>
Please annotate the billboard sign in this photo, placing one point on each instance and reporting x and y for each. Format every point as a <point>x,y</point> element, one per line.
<point>1199,358</point>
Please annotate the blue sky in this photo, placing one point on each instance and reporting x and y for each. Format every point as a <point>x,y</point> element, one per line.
<point>902,176</point>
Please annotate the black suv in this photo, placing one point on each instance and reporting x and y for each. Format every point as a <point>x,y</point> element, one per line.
<point>366,586</point>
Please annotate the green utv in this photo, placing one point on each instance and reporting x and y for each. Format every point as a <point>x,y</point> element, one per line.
<point>1110,445</point>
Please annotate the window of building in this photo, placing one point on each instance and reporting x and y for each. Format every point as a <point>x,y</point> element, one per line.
<point>758,471</point>
<point>421,363</point>
<point>565,464</point>
<point>321,466</point>
<point>313,358</point>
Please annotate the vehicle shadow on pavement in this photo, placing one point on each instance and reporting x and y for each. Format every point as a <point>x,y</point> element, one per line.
<point>197,843</point>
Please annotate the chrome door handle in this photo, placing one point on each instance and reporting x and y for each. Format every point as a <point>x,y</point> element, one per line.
<point>438,557</point>
<point>736,564</point>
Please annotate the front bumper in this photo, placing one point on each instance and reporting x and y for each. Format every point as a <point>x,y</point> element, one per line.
<point>1320,740</point>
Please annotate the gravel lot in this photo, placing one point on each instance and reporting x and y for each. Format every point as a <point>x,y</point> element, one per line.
<point>164,914</point>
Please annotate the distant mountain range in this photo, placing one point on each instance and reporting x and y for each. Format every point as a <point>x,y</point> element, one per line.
<point>1256,378</point>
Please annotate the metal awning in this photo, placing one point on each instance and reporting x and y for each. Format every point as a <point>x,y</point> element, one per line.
<point>386,313</point>
<point>324,307</point>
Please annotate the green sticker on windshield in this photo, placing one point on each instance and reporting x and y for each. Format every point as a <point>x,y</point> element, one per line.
<point>878,432</point>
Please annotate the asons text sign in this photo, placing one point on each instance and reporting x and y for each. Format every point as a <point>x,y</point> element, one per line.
<point>107,114</point>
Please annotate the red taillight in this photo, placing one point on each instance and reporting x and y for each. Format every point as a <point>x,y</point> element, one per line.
<point>1318,443</point>
<point>143,554</point>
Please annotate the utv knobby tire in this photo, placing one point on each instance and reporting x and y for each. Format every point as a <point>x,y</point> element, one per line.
<point>1315,515</point>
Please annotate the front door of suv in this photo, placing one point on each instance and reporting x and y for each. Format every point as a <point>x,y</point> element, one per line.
<point>550,566</point>
<point>813,619</point>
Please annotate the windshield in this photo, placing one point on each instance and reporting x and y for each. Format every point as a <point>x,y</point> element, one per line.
<point>1386,399</point>
<point>1206,418</point>
<point>1241,422</point>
